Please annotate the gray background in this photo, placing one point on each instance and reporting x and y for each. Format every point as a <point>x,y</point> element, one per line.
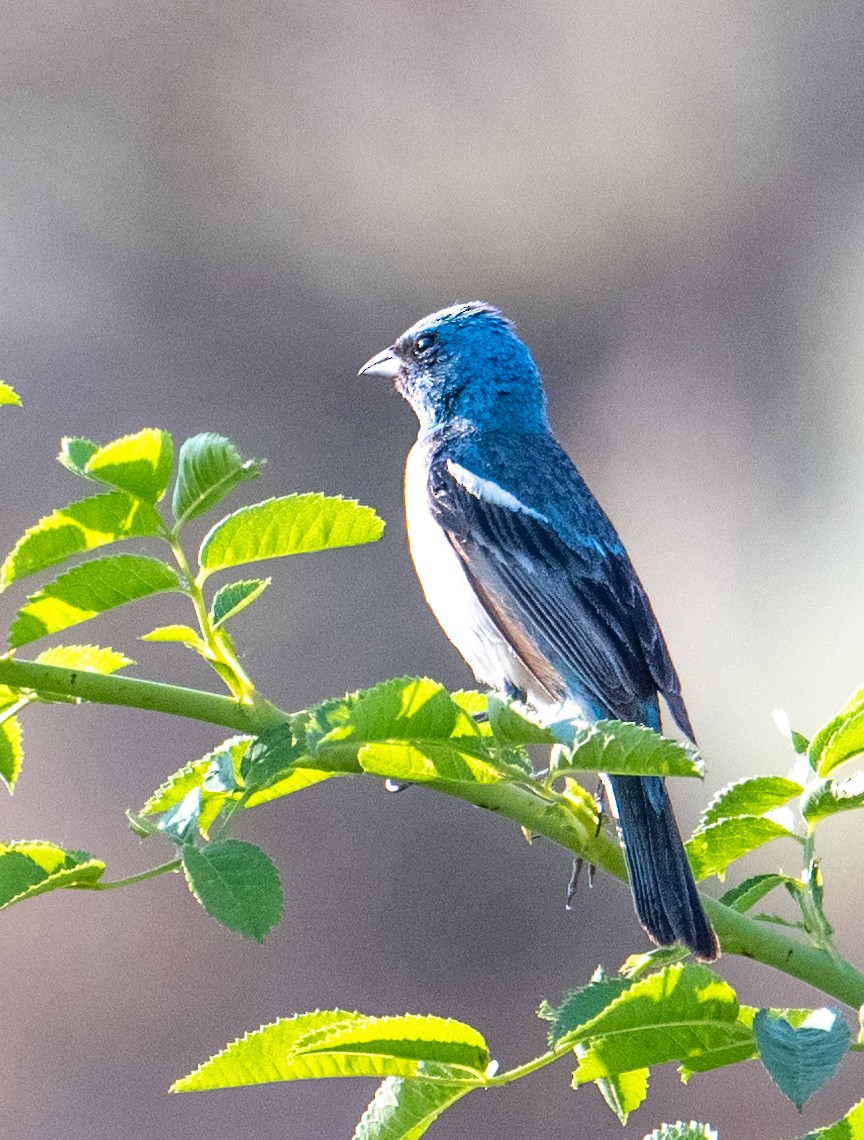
<point>210,216</point>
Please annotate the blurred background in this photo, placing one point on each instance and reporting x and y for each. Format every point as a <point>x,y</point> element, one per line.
<point>210,216</point>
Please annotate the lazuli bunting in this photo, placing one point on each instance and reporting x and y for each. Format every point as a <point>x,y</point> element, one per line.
<point>530,581</point>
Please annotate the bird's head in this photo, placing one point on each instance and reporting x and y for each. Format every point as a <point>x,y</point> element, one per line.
<point>465,363</point>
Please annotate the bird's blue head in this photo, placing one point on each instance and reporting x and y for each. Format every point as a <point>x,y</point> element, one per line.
<point>465,363</point>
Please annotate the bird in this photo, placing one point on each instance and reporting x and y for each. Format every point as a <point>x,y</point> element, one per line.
<point>529,580</point>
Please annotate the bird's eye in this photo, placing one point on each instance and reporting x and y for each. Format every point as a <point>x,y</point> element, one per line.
<point>423,343</point>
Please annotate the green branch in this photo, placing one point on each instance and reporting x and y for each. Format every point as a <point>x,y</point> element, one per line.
<point>52,682</point>
<point>564,822</point>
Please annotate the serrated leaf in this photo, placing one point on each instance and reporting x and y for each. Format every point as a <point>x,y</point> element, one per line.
<point>711,849</point>
<point>180,823</point>
<point>140,464</point>
<point>8,395</point>
<point>840,739</point>
<point>74,453</point>
<point>512,724</point>
<point>754,795</point>
<point>828,797</point>
<point>409,728</point>
<point>295,524</point>
<point>581,1006</point>
<point>30,868</point>
<point>91,658</point>
<point>683,1013</point>
<point>270,757</point>
<point>751,891</point>
<point>624,1092</point>
<point>81,526</point>
<point>230,600</point>
<point>209,468</point>
<point>624,749</point>
<point>681,1131</point>
<point>237,884</point>
<point>337,1043</point>
<point>801,1060</point>
<point>851,1127</point>
<point>182,633</point>
<point>11,751</point>
<point>403,1109</point>
<point>88,590</point>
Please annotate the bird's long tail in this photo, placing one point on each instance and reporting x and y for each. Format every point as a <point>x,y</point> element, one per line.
<point>664,893</point>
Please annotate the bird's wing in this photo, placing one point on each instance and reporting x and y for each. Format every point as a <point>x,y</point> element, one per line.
<point>576,600</point>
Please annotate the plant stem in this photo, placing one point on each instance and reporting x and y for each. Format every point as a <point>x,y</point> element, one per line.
<point>52,681</point>
<point>139,878</point>
<point>562,820</point>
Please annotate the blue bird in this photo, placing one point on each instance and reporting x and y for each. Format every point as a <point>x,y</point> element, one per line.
<point>530,581</point>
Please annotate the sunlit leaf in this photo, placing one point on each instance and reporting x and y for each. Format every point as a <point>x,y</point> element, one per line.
<point>209,468</point>
<point>745,895</point>
<point>828,797</point>
<point>801,1060</point>
<point>337,1043</point>
<point>11,751</point>
<point>581,1006</point>
<point>754,795</point>
<point>841,738</point>
<point>84,525</point>
<point>87,590</point>
<point>851,1127</point>
<point>711,849</point>
<point>403,1109</point>
<point>683,1013</point>
<point>182,633</point>
<point>74,453</point>
<point>296,524</point>
<point>623,749</point>
<point>230,600</point>
<point>8,395</point>
<point>91,658</point>
<point>237,884</point>
<point>29,868</point>
<point>624,1092</point>
<point>681,1131</point>
<point>140,464</point>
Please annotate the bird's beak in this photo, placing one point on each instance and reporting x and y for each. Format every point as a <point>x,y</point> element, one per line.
<point>386,364</point>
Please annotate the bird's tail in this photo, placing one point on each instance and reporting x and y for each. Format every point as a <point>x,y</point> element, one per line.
<point>664,893</point>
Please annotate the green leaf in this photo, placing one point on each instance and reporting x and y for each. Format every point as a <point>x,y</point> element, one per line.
<point>270,758</point>
<point>681,1131</point>
<point>403,1109</point>
<point>684,1013</point>
<point>801,1060</point>
<point>581,1006</point>
<point>74,453</point>
<point>840,739</point>
<point>140,464</point>
<point>754,795</point>
<point>8,395</point>
<point>237,884</point>
<point>336,1043</point>
<point>513,724</point>
<point>182,633</point>
<point>230,600</point>
<point>828,797</point>
<point>192,775</point>
<point>11,751</point>
<point>210,468</point>
<point>295,524</point>
<point>624,1092</point>
<point>623,749</point>
<point>89,658</point>
<point>87,590</point>
<point>409,728</point>
<point>851,1127</point>
<point>29,868</point>
<point>180,823</point>
<point>711,849</point>
<point>745,896</point>
<point>84,525</point>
